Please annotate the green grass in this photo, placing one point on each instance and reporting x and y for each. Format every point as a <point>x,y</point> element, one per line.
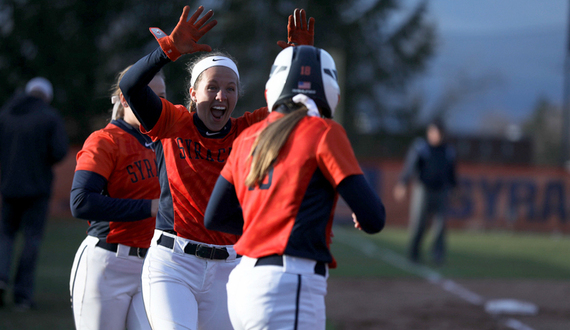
<point>470,254</point>
<point>61,240</point>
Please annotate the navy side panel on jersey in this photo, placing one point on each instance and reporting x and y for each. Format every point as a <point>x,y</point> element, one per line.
<point>308,236</point>
<point>165,216</point>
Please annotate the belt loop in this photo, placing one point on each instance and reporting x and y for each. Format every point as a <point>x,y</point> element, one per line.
<point>212,253</point>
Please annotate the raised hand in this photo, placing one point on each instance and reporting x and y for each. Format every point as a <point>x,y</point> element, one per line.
<point>299,32</point>
<point>184,37</point>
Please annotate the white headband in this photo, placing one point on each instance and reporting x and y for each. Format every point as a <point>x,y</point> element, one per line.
<point>209,62</point>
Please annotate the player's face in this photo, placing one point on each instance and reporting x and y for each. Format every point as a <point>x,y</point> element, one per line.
<point>215,96</point>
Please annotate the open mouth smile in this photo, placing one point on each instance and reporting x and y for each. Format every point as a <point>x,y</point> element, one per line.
<point>218,112</point>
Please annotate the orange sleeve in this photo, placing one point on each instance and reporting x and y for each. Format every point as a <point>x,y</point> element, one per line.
<point>172,119</point>
<point>335,155</point>
<point>98,154</point>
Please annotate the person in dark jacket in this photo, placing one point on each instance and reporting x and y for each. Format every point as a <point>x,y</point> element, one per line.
<point>33,140</point>
<point>432,164</point>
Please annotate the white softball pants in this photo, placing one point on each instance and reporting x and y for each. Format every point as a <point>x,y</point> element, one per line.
<point>182,291</point>
<point>271,297</point>
<point>105,288</point>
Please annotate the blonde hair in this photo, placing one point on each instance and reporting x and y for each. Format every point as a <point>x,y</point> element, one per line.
<point>269,142</point>
<point>118,110</point>
<point>189,103</point>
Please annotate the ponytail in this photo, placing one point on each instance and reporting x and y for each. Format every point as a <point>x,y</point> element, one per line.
<point>269,142</point>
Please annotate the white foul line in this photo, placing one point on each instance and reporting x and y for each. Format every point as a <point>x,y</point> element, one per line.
<point>374,251</point>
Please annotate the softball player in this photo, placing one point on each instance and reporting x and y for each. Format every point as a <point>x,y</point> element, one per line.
<point>116,188</point>
<point>286,172</point>
<point>186,269</point>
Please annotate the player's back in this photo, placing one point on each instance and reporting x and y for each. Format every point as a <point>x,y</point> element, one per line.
<point>293,205</point>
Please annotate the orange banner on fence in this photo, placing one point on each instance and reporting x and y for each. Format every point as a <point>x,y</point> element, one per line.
<point>488,196</point>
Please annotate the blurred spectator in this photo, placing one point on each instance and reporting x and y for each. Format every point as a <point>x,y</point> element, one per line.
<point>33,140</point>
<point>432,164</point>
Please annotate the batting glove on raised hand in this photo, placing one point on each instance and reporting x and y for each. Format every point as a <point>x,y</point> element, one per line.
<point>184,37</point>
<point>298,31</point>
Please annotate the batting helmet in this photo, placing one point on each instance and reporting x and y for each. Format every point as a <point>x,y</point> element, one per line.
<point>304,70</point>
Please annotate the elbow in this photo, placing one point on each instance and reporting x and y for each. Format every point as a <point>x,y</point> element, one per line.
<point>76,211</point>
<point>126,86</point>
<point>77,205</point>
<point>209,222</point>
<point>378,223</point>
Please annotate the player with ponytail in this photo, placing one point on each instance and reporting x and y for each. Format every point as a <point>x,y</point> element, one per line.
<point>279,189</point>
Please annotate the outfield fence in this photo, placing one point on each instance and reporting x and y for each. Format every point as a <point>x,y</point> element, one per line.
<point>510,197</point>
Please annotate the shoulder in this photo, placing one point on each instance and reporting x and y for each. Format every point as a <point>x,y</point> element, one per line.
<point>324,132</point>
<point>50,113</point>
<point>420,144</point>
<point>109,135</point>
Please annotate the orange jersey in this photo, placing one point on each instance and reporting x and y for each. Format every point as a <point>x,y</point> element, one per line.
<point>190,162</point>
<point>131,173</point>
<point>291,212</point>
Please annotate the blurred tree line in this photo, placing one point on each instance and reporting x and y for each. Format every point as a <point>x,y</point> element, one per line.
<point>80,45</point>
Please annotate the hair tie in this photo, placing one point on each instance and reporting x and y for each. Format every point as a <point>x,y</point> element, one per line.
<point>116,104</point>
<point>309,103</point>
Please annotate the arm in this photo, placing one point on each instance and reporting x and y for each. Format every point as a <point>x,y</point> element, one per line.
<point>364,202</point>
<point>410,167</point>
<point>146,105</point>
<point>410,163</point>
<point>452,167</point>
<point>87,202</point>
<point>224,211</point>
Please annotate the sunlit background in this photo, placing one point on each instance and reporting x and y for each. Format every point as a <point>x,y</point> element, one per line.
<point>493,70</point>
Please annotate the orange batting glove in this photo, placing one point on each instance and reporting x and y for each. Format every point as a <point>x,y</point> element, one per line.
<point>184,37</point>
<point>298,31</point>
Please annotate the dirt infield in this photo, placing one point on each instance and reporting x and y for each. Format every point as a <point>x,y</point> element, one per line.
<point>417,304</point>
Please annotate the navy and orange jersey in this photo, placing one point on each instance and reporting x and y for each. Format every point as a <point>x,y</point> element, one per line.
<point>121,155</point>
<point>291,211</point>
<point>190,159</point>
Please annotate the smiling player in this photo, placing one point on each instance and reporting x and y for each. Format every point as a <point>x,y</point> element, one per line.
<point>187,267</point>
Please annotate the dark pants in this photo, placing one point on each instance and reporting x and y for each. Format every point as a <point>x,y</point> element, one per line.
<point>28,215</point>
<point>425,205</point>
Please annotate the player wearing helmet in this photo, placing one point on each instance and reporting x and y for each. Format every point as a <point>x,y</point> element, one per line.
<point>286,173</point>
<point>187,266</point>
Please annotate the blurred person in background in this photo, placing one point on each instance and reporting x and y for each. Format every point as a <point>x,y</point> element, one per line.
<point>115,188</point>
<point>33,141</point>
<point>431,162</point>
